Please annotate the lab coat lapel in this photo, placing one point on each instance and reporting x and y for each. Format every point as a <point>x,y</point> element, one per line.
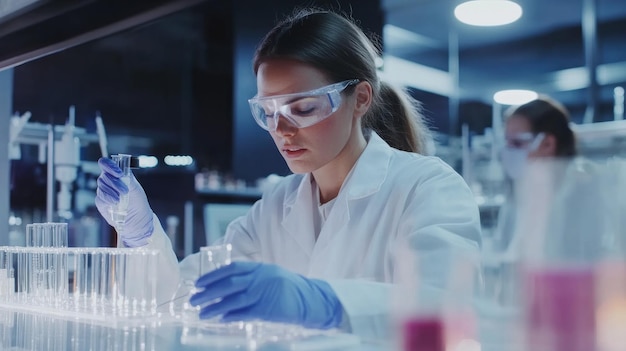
<point>298,221</point>
<point>366,179</point>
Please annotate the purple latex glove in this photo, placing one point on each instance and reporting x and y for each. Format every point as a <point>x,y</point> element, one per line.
<point>252,290</point>
<point>138,226</point>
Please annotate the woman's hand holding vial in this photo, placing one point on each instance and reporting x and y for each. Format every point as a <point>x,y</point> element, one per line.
<point>121,200</point>
<point>120,210</point>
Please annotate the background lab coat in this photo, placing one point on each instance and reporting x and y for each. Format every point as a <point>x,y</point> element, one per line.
<point>391,198</point>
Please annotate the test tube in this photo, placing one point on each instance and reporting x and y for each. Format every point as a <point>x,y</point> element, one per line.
<point>46,235</point>
<point>6,275</point>
<point>61,274</point>
<point>106,283</point>
<point>3,275</point>
<point>142,275</point>
<point>80,278</point>
<point>122,300</point>
<point>119,211</point>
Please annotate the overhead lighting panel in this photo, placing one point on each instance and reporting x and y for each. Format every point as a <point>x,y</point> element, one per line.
<point>514,96</point>
<point>488,12</point>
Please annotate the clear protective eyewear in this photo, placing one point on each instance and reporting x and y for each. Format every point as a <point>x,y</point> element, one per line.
<point>300,109</point>
<point>525,140</point>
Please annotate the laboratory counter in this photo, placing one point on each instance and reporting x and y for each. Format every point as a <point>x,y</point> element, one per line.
<point>30,330</point>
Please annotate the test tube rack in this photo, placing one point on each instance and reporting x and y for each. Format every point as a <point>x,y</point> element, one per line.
<point>92,283</point>
<point>20,330</point>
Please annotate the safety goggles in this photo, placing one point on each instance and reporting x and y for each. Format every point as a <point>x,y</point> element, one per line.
<point>300,109</point>
<point>526,140</point>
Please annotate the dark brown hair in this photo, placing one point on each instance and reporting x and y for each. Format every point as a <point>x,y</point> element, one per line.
<point>548,116</point>
<point>335,45</point>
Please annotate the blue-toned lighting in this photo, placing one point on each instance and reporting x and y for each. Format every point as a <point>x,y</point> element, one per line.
<point>488,12</point>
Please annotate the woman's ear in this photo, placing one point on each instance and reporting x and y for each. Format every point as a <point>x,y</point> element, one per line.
<point>363,95</point>
<point>548,146</point>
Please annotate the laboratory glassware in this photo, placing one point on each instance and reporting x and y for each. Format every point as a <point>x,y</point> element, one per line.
<point>120,210</point>
<point>211,258</point>
<point>98,283</point>
<point>214,257</point>
<point>7,277</point>
<point>46,234</point>
<point>562,215</point>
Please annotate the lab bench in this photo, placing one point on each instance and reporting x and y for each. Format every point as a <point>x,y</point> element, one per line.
<point>31,330</point>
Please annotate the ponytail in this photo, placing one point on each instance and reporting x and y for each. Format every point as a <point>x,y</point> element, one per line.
<point>397,118</point>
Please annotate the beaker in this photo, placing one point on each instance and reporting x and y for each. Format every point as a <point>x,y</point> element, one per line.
<point>211,258</point>
<point>120,210</point>
<point>562,218</point>
<point>434,309</point>
<point>214,257</point>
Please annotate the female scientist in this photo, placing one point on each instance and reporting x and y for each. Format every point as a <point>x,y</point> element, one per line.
<point>319,248</point>
<point>538,129</point>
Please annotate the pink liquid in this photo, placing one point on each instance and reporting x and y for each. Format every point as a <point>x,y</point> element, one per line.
<point>560,310</point>
<point>423,334</point>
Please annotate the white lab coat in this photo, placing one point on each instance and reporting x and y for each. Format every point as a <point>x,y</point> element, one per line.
<point>562,211</point>
<point>390,198</point>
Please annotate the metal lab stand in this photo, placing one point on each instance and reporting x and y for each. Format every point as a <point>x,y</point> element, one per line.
<point>48,137</point>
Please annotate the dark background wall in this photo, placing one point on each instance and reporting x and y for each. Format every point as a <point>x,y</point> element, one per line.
<point>176,85</point>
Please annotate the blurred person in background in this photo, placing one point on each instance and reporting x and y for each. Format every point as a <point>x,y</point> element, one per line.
<point>537,129</point>
<point>539,143</point>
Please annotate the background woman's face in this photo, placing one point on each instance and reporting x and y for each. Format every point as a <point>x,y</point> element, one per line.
<point>517,131</point>
<point>310,148</point>
<point>515,126</point>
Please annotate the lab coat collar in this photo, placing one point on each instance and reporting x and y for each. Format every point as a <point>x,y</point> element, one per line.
<point>368,175</point>
<point>370,169</point>
<point>298,220</point>
<point>366,178</point>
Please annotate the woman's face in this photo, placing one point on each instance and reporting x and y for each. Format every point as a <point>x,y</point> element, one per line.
<point>519,135</point>
<point>310,148</point>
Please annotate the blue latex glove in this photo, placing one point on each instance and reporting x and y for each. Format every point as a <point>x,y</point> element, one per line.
<point>138,226</point>
<point>252,290</point>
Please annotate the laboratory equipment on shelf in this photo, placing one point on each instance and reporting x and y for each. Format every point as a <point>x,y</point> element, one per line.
<point>60,145</point>
<point>66,162</point>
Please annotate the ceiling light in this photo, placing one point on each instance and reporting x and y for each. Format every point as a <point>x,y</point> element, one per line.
<point>488,12</point>
<point>147,161</point>
<point>514,96</point>
<point>178,160</point>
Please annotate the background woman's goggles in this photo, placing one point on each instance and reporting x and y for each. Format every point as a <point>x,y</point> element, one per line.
<point>523,140</point>
<point>301,109</point>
